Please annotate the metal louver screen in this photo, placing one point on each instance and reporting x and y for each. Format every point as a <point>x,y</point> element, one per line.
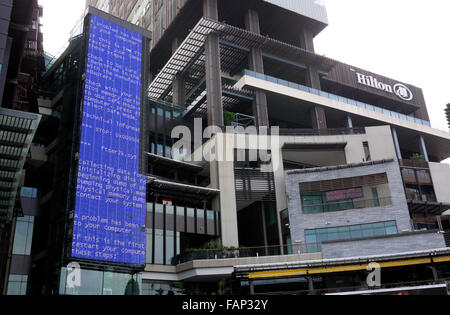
<point>344,183</point>
<point>254,185</point>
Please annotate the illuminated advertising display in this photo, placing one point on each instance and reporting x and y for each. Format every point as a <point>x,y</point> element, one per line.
<point>353,193</point>
<point>110,204</point>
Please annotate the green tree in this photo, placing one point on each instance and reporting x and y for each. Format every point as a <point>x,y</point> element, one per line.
<point>228,118</point>
<point>417,157</point>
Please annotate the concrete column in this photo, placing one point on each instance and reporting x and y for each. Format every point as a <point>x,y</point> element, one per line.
<point>434,272</point>
<point>256,63</point>
<point>312,78</point>
<point>179,84</point>
<point>280,190</point>
<point>396,144</point>
<point>349,122</point>
<point>223,179</point>
<point>252,286</point>
<point>260,111</point>
<point>423,148</point>
<point>210,9</point>
<point>264,224</point>
<point>306,40</point>
<point>214,81</point>
<point>179,91</point>
<point>439,221</point>
<point>311,285</point>
<point>213,68</point>
<point>318,118</point>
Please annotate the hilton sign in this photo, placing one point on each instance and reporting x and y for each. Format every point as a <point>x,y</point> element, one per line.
<point>401,90</point>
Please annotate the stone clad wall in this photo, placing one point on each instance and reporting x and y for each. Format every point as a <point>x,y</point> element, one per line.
<point>300,222</point>
<point>384,245</point>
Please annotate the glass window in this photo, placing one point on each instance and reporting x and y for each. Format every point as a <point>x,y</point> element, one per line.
<point>344,235</point>
<point>190,220</point>
<point>119,284</point>
<point>331,236</point>
<point>177,114</point>
<point>95,282</point>
<point>159,247</point>
<point>320,202</point>
<point>356,234</point>
<point>312,203</point>
<point>159,208</point>
<point>170,210</point>
<point>351,232</point>
<point>160,149</point>
<point>368,233</point>
<point>191,212</point>
<point>17,285</point>
<point>375,197</point>
<point>201,221</point>
<point>180,219</point>
<point>170,218</point>
<point>91,283</point>
<point>390,230</point>
<point>149,246</point>
<point>23,236</point>
<point>170,249</point>
<point>168,151</point>
<point>158,288</point>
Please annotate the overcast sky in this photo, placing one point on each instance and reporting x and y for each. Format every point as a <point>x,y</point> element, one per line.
<point>407,40</point>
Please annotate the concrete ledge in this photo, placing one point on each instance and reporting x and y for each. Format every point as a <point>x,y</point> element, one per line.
<point>216,269</point>
<point>160,269</point>
<point>255,83</point>
<point>218,263</point>
<point>338,167</point>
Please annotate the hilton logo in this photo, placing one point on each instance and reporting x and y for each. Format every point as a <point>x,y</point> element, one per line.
<point>399,89</point>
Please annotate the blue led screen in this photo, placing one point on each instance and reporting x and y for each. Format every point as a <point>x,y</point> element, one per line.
<point>110,205</point>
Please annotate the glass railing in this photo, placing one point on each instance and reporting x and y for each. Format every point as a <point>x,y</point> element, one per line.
<point>336,97</point>
<point>171,111</point>
<point>248,252</point>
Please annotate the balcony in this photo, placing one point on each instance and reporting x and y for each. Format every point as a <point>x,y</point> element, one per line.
<point>322,132</point>
<point>296,132</point>
<point>423,197</point>
<point>250,252</point>
<point>414,164</point>
<point>335,97</point>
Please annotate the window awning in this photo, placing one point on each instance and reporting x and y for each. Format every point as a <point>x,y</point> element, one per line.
<point>154,158</point>
<point>428,207</point>
<point>165,187</point>
<point>17,131</point>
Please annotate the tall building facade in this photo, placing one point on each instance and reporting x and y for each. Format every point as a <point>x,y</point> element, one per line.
<point>249,162</point>
<point>21,66</point>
